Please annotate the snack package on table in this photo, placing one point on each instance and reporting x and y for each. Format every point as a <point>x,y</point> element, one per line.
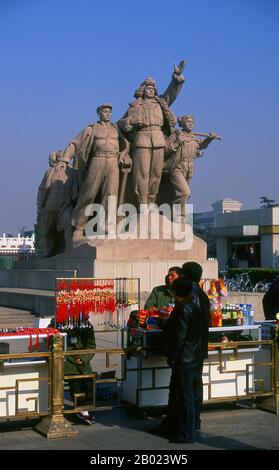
<point>150,319</point>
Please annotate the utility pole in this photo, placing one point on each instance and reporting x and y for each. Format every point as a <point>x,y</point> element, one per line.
<point>21,230</point>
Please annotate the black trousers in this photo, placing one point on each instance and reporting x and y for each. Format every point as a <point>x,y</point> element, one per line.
<point>181,414</point>
<point>198,391</point>
<point>82,386</point>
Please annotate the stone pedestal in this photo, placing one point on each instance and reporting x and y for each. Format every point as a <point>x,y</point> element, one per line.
<point>149,259</point>
<point>152,246</point>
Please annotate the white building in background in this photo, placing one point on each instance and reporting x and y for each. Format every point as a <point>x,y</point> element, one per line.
<point>17,244</point>
<point>235,231</point>
<point>204,220</point>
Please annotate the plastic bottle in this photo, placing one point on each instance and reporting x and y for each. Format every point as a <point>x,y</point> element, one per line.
<point>251,315</point>
<point>248,309</point>
<point>224,316</point>
<point>238,317</point>
<point>233,316</point>
<point>245,315</point>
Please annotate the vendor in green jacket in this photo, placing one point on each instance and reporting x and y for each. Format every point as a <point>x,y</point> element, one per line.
<point>82,337</point>
<point>160,295</point>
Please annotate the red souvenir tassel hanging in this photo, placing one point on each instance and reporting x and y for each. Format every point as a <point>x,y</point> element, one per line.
<point>30,343</point>
<point>37,344</point>
<point>78,298</point>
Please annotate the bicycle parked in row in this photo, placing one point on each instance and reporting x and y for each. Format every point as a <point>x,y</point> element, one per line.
<point>262,286</point>
<point>240,283</point>
<point>243,283</point>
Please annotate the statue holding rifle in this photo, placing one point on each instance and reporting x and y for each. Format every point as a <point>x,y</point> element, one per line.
<point>182,147</point>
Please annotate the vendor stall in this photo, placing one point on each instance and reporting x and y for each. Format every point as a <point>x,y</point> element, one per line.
<point>228,373</point>
<point>240,365</point>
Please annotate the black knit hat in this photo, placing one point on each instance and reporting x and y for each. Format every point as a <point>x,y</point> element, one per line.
<point>192,271</point>
<point>181,287</point>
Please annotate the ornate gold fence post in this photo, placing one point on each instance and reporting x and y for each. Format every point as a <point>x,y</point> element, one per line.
<point>271,403</point>
<point>55,425</point>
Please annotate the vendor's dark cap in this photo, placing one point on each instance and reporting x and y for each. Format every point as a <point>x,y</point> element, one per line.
<point>102,106</point>
<point>192,271</point>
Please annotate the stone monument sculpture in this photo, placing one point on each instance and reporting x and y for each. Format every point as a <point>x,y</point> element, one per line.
<point>95,169</point>
<point>100,153</point>
<point>100,148</point>
<point>182,147</point>
<point>145,125</point>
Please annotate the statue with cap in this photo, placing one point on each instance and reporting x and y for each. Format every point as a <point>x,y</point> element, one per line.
<point>99,149</point>
<point>145,125</point>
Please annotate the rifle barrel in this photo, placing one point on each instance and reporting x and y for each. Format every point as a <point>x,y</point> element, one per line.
<point>203,134</point>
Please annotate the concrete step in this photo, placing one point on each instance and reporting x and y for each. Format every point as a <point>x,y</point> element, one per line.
<point>4,323</point>
<point>43,279</point>
<point>39,302</point>
<point>28,323</point>
<point>17,317</point>
<point>11,318</point>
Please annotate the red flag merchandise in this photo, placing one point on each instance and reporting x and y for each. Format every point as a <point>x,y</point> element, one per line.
<point>32,332</point>
<point>76,298</point>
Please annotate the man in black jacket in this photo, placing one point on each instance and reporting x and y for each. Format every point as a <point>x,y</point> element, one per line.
<point>184,345</point>
<point>183,335</point>
<point>252,257</point>
<point>233,261</point>
<point>193,272</point>
<point>271,300</point>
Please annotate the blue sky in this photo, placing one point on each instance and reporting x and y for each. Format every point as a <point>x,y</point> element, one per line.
<point>60,59</point>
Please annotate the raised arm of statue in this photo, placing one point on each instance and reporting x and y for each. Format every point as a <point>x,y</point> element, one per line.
<point>176,83</point>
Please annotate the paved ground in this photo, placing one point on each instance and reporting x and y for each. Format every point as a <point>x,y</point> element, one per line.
<point>232,428</point>
<point>223,427</point>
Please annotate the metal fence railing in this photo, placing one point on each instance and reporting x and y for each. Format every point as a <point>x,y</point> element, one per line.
<point>42,395</point>
<point>9,257</point>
